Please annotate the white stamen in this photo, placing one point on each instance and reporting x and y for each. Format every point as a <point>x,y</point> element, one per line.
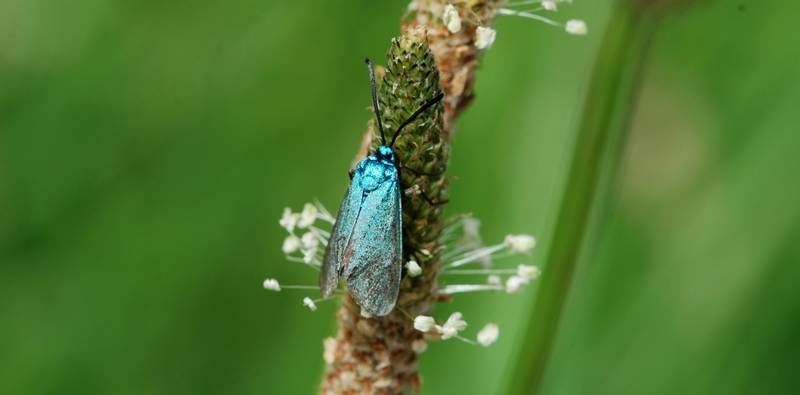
<point>323,214</point>
<point>329,345</point>
<point>321,235</point>
<point>481,271</point>
<point>484,37</point>
<point>472,229</point>
<point>411,191</point>
<point>307,216</point>
<point>310,244</point>
<point>522,244</point>
<point>316,287</point>
<point>486,261</point>
<point>515,283</point>
<point>519,3</point>
<point>488,334</point>
<point>272,284</point>
<point>452,326</point>
<point>290,244</point>
<point>315,263</point>
<point>549,5</point>
<point>310,303</point>
<point>288,219</point>
<point>494,280</point>
<point>473,256</point>
<point>465,340</point>
<point>505,11</point>
<point>419,346</point>
<point>309,241</point>
<point>576,27</point>
<point>453,289</point>
<point>424,323</point>
<point>451,19</point>
<point>528,271</point>
<point>309,256</point>
<point>365,314</point>
<point>413,269</point>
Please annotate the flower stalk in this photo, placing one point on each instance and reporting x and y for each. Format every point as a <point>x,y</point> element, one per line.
<point>378,355</point>
<point>375,354</point>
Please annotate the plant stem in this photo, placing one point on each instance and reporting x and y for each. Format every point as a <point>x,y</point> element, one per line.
<point>603,130</point>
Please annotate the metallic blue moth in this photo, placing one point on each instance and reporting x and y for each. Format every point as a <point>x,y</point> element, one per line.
<point>366,243</point>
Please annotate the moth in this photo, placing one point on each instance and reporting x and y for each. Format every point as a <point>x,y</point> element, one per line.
<point>366,243</point>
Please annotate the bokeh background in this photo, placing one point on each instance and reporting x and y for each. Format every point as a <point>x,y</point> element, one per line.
<point>147,149</point>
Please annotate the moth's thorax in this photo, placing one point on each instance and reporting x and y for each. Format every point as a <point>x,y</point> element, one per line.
<point>376,169</point>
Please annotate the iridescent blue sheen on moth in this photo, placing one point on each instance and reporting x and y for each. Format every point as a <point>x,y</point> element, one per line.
<point>366,243</point>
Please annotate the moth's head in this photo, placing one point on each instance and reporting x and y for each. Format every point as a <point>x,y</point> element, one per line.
<point>385,152</point>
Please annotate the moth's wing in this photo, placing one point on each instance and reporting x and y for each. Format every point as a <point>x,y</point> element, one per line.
<point>333,262</point>
<point>375,250</point>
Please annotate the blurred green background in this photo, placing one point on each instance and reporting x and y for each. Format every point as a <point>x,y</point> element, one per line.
<point>147,150</point>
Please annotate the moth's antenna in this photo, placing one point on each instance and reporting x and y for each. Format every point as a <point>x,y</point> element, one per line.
<point>375,100</point>
<point>414,116</point>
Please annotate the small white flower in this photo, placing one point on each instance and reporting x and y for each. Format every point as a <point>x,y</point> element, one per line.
<point>424,323</point>
<point>365,313</point>
<point>307,216</point>
<point>290,244</point>
<point>522,244</point>
<point>484,37</point>
<point>549,5</point>
<point>413,269</point>
<point>455,321</point>
<point>528,271</point>
<point>288,220</point>
<point>309,241</point>
<point>447,332</point>
<point>452,326</point>
<point>310,303</point>
<point>329,345</point>
<point>451,19</point>
<point>576,27</point>
<point>272,284</point>
<point>494,280</point>
<point>488,334</point>
<point>419,346</point>
<point>515,283</point>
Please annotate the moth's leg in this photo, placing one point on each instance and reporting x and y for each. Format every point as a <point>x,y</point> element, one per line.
<point>417,190</point>
<point>350,173</point>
